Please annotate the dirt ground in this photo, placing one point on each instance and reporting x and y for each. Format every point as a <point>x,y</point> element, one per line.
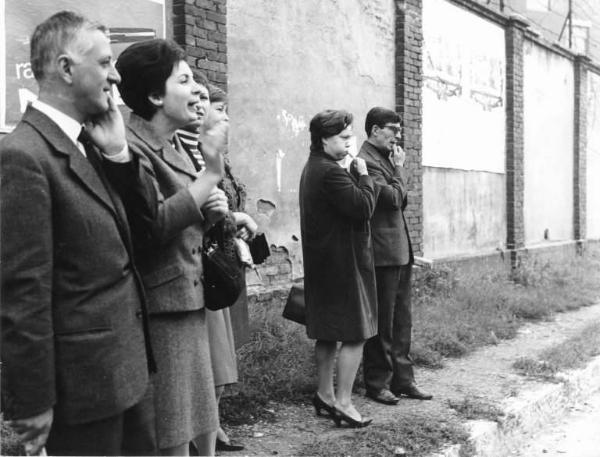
<point>485,376</point>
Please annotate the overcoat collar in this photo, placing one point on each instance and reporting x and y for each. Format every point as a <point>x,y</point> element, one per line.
<point>143,129</point>
<point>62,144</point>
<point>375,155</point>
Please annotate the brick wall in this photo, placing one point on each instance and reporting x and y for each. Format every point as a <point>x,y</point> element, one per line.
<point>515,230</point>
<point>200,26</point>
<point>579,148</point>
<point>409,81</point>
<point>277,269</point>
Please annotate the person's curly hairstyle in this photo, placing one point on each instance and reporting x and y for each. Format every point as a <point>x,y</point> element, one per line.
<point>327,124</point>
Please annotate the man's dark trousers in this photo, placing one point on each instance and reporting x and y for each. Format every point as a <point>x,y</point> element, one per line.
<point>130,433</point>
<point>386,355</point>
<point>386,360</point>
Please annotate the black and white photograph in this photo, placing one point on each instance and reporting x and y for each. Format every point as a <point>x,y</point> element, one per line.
<point>329,228</point>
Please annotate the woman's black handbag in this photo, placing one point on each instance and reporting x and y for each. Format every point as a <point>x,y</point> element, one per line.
<point>295,308</point>
<point>223,274</point>
<point>259,249</point>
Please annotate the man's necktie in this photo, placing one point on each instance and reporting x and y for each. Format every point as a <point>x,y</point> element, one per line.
<point>90,151</point>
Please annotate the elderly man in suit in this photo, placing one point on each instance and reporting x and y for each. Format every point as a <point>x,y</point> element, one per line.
<point>75,359</point>
<point>387,366</point>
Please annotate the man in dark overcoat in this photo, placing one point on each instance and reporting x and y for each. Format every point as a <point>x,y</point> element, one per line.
<point>75,360</point>
<point>387,366</point>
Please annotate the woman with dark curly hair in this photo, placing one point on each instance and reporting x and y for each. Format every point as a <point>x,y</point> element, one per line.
<point>339,278</point>
<point>158,85</point>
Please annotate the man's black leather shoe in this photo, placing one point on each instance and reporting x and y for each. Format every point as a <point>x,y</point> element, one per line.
<point>412,391</point>
<point>383,396</point>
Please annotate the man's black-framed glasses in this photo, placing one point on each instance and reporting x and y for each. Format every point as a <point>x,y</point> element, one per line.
<point>393,128</point>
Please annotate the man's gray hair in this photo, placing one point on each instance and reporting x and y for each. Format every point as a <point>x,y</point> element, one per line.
<point>54,36</point>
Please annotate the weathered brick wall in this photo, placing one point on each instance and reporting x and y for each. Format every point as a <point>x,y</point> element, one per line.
<point>200,26</point>
<point>277,269</point>
<point>580,150</point>
<point>515,233</point>
<point>409,81</point>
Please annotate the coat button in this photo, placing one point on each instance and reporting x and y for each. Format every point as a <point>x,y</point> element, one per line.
<point>194,251</point>
<point>196,282</point>
<point>139,313</point>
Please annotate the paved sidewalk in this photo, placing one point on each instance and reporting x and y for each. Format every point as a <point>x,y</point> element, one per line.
<point>485,375</point>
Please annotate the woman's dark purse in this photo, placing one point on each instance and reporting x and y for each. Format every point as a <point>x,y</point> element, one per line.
<point>223,272</point>
<point>259,249</point>
<point>295,308</point>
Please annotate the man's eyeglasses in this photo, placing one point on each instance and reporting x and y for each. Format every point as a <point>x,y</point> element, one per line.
<point>393,128</point>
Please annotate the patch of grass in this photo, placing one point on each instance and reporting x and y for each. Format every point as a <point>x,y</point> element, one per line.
<point>419,435</point>
<point>535,368</point>
<point>9,444</point>
<point>476,408</point>
<point>570,354</point>
<point>276,365</point>
<point>454,313</point>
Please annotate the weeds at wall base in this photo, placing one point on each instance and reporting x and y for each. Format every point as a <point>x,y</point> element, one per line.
<point>573,353</point>
<point>453,314</point>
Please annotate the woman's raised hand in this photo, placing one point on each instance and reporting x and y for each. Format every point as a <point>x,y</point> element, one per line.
<point>214,143</point>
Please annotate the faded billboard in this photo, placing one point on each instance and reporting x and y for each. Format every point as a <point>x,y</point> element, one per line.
<point>593,156</point>
<point>464,83</point>
<point>464,125</point>
<point>127,22</point>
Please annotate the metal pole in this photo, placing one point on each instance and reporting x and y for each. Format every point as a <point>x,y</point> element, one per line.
<point>570,23</point>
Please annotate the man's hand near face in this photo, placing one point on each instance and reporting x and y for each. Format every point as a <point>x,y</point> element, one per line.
<point>398,155</point>
<point>107,131</point>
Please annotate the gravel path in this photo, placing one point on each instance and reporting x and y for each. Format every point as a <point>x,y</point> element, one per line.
<point>486,375</point>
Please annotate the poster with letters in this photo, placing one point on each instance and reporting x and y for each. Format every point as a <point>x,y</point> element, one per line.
<point>127,22</point>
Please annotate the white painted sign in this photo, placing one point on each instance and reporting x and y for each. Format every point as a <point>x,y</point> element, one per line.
<point>463,89</point>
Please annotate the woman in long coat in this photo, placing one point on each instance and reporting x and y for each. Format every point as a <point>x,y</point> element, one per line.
<point>158,85</point>
<point>339,279</point>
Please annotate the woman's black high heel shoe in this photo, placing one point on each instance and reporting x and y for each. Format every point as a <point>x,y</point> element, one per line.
<point>320,405</point>
<point>228,447</point>
<point>340,417</point>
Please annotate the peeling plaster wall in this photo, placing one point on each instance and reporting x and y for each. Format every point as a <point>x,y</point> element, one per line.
<point>464,128</point>
<point>287,61</point>
<point>548,157</point>
<point>593,156</point>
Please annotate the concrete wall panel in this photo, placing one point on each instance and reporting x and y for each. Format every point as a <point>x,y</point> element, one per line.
<point>548,157</point>
<point>593,156</point>
<point>287,61</point>
<point>464,212</point>
<point>464,128</point>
